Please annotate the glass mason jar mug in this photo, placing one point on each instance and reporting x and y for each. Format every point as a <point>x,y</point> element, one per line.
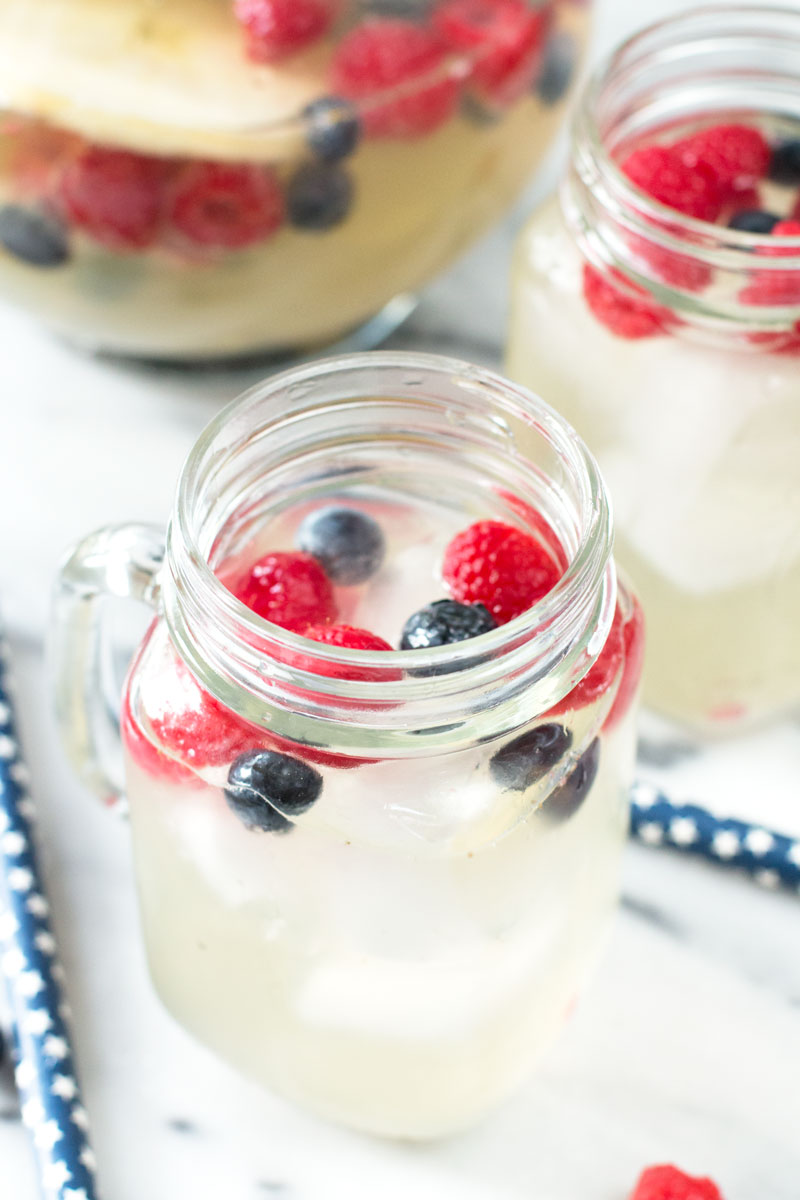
<point>370,878</point>
<point>665,327</point>
<point>197,179</point>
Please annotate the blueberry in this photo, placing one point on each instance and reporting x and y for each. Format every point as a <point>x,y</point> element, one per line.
<point>262,782</point>
<point>334,129</point>
<point>753,220</point>
<point>319,196</point>
<point>444,622</point>
<point>558,68</point>
<point>347,543</point>
<point>411,10</point>
<point>785,164</point>
<point>527,759</point>
<point>566,799</point>
<point>33,237</point>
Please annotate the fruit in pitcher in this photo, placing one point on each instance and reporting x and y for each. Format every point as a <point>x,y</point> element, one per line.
<point>277,28</point>
<point>114,196</point>
<point>225,206</point>
<point>389,55</point>
<point>503,39</point>
<point>33,237</point>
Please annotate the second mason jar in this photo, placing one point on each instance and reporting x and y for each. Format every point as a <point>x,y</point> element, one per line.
<point>374,860</point>
<point>664,324</point>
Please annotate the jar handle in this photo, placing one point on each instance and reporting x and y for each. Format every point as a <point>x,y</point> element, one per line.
<point>119,562</point>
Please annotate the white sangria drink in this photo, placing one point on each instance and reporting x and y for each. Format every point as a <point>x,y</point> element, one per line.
<point>200,179</point>
<point>379,740</point>
<point>656,302</point>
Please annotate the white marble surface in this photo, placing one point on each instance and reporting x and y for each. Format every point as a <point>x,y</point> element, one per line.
<point>685,1047</point>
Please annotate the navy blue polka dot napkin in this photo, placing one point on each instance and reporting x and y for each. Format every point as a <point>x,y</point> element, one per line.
<point>44,1071</point>
<point>771,858</point>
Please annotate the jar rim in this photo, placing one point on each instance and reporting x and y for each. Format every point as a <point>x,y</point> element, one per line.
<point>609,212</point>
<point>223,641</point>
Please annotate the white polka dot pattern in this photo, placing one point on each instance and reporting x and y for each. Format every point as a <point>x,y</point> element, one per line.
<point>772,859</point>
<point>45,1076</point>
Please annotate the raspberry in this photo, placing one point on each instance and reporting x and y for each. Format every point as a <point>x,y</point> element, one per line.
<point>191,729</point>
<point>349,637</point>
<point>499,566</point>
<point>540,526</point>
<point>669,1183</point>
<point>115,196</point>
<point>779,288</point>
<point>678,270</point>
<point>744,198</point>
<point>784,229</point>
<point>737,154</point>
<point>785,341</point>
<point>142,750</point>
<point>384,54</point>
<point>661,172</point>
<point>600,675</point>
<point>622,314</point>
<point>633,645</point>
<point>276,28</point>
<point>354,639</point>
<point>504,38</point>
<point>226,206</point>
<point>289,589</point>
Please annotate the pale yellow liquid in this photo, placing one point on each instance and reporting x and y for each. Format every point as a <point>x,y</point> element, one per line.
<point>700,449</point>
<point>398,961</point>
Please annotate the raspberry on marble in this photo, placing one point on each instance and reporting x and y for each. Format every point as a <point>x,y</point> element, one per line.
<point>666,1182</point>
